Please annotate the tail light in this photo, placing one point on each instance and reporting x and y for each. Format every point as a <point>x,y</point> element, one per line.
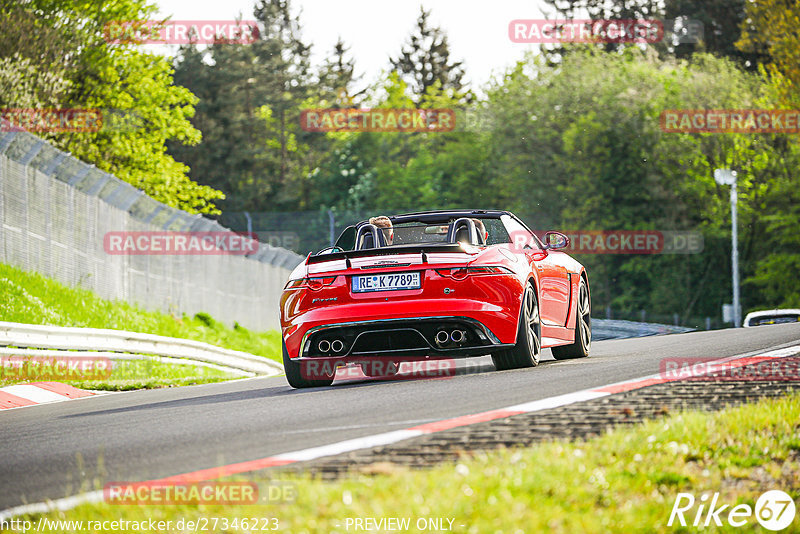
<point>314,284</point>
<point>460,273</point>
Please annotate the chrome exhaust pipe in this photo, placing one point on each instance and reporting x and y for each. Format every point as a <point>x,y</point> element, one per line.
<point>324,345</point>
<point>441,338</point>
<point>337,345</point>
<point>458,336</point>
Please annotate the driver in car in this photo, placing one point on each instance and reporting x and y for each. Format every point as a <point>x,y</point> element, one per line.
<point>482,231</point>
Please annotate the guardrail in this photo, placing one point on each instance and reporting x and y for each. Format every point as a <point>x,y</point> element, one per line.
<point>121,342</point>
<point>619,329</point>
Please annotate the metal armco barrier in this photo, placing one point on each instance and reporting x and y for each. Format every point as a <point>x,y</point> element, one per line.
<point>119,341</point>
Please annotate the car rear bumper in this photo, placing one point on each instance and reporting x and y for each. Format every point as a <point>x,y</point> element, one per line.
<point>485,308</point>
<point>401,336</point>
<point>440,336</point>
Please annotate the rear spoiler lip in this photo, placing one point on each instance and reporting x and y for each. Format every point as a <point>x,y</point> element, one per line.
<point>386,251</point>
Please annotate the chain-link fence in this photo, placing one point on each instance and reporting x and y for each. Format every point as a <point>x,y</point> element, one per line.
<point>55,212</point>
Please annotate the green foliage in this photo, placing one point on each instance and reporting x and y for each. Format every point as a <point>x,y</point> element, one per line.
<point>771,29</point>
<point>55,54</point>
<point>336,77</point>
<point>206,319</point>
<point>569,140</point>
<point>721,20</point>
<point>579,147</point>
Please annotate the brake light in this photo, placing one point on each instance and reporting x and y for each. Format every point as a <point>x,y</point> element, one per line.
<point>314,284</point>
<point>461,273</point>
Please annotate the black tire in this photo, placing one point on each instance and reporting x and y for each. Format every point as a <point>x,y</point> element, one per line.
<point>295,376</point>
<point>529,337</point>
<point>500,361</point>
<point>583,329</point>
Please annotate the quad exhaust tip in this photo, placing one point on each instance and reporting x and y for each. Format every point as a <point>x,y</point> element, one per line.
<point>337,345</point>
<point>455,336</point>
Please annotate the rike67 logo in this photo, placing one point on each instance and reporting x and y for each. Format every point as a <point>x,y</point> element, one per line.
<point>774,510</point>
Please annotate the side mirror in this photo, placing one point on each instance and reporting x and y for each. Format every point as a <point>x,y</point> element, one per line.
<point>555,241</point>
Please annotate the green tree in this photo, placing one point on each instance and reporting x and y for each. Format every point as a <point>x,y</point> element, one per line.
<point>579,147</point>
<point>425,62</point>
<point>601,10</point>
<point>251,99</point>
<point>770,30</point>
<point>59,52</point>
<point>722,21</point>
<point>336,77</point>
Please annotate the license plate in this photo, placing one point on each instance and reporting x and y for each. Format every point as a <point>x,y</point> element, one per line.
<point>385,282</point>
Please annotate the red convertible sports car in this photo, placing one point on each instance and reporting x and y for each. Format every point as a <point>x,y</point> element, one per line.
<point>435,284</point>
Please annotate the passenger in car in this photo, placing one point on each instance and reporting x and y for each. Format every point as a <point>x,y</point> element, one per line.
<point>385,224</point>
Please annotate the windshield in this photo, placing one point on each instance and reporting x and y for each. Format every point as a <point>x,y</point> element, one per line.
<point>420,233</point>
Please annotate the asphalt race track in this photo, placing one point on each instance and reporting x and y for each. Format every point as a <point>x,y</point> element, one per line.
<point>57,450</point>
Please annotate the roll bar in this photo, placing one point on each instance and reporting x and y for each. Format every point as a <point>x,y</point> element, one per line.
<point>460,223</point>
<point>369,229</point>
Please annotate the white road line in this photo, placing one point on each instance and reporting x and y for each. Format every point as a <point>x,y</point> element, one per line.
<point>555,402</point>
<point>349,445</point>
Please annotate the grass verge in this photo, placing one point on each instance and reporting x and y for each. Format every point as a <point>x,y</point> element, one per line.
<point>34,299</point>
<point>624,481</point>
